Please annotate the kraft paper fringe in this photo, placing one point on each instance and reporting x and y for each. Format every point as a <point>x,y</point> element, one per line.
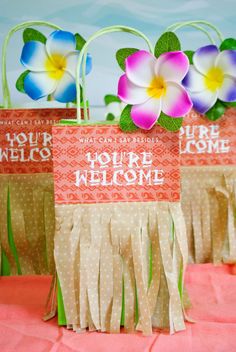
<point>27,214</point>
<point>130,252</point>
<point>209,206</point>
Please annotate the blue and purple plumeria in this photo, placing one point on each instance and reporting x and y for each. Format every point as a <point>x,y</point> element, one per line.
<point>212,76</point>
<point>52,67</point>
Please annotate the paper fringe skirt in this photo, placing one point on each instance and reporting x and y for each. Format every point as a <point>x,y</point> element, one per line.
<point>27,224</point>
<point>121,260</point>
<point>209,206</point>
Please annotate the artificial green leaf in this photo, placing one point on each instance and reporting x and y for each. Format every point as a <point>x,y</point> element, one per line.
<point>228,44</point>
<point>110,117</point>
<point>122,54</point>
<point>126,123</point>
<point>20,82</point>
<point>189,54</point>
<point>216,111</point>
<point>80,41</point>
<point>230,105</point>
<point>172,124</point>
<point>110,98</point>
<point>32,34</point>
<point>167,42</point>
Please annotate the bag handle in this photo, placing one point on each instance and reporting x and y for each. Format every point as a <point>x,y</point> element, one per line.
<point>82,61</point>
<point>23,25</point>
<point>176,26</point>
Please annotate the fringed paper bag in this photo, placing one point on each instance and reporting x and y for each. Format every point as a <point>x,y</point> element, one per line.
<point>120,241</point>
<point>27,218</point>
<point>208,186</point>
<point>208,149</point>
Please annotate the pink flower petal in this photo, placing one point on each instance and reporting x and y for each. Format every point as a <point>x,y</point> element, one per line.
<point>226,60</point>
<point>205,57</point>
<point>172,66</point>
<point>228,90</point>
<point>145,115</point>
<point>176,102</point>
<point>194,80</point>
<point>140,68</point>
<point>130,93</point>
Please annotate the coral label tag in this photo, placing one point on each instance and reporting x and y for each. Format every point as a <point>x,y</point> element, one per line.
<point>103,164</point>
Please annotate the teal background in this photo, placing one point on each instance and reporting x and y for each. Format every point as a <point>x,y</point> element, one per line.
<point>87,16</point>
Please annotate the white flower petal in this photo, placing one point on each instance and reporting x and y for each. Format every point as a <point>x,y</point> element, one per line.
<point>228,90</point>
<point>60,43</point>
<point>176,102</point>
<point>34,56</point>
<point>205,58</point>
<point>115,108</point>
<point>226,60</point>
<point>194,80</point>
<point>140,68</point>
<point>72,61</point>
<point>172,66</point>
<point>203,101</point>
<point>131,93</point>
<point>145,115</point>
<point>66,89</point>
<point>39,84</point>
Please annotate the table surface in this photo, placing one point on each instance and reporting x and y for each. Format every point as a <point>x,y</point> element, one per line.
<point>212,291</point>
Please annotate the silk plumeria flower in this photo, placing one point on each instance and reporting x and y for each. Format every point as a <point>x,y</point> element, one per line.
<point>115,108</point>
<point>212,76</point>
<point>152,85</point>
<point>52,67</point>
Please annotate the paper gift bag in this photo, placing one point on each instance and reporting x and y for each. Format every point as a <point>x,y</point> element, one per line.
<point>26,189</point>
<point>208,186</point>
<point>27,218</point>
<point>120,241</point>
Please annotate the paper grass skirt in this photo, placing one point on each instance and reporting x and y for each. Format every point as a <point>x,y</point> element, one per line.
<point>120,255</point>
<point>27,216</point>
<point>208,186</point>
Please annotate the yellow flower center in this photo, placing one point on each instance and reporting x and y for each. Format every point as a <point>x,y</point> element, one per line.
<point>157,87</point>
<point>214,78</point>
<point>55,66</point>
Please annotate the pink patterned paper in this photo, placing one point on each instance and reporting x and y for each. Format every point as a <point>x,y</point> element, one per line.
<point>102,164</point>
<point>204,142</point>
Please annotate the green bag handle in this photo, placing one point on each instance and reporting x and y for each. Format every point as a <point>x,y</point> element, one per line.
<point>196,24</point>
<point>23,25</point>
<point>82,61</point>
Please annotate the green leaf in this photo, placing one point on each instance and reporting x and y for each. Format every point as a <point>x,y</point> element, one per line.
<point>80,41</point>
<point>110,117</point>
<point>166,43</point>
<point>172,124</point>
<point>189,54</point>
<point>32,34</point>
<point>126,123</point>
<point>230,105</point>
<point>122,54</point>
<point>228,44</point>
<point>110,98</point>
<point>20,82</point>
<point>216,111</point>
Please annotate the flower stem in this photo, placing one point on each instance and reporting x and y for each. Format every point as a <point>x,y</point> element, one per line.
<point>82,61</point>
<point>174,27</point>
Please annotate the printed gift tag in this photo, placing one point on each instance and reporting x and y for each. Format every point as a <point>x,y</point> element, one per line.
<point>205,142</point>
<point>26,140</point>
<point>103,164</point>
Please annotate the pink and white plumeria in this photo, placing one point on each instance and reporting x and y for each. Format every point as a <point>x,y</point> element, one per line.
<point>212,76</point>
<point>153,85</point>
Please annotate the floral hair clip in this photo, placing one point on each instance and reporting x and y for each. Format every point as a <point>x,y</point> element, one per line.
<point>152,86</point>
<point>51,65</point>
<point>211,79</point>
